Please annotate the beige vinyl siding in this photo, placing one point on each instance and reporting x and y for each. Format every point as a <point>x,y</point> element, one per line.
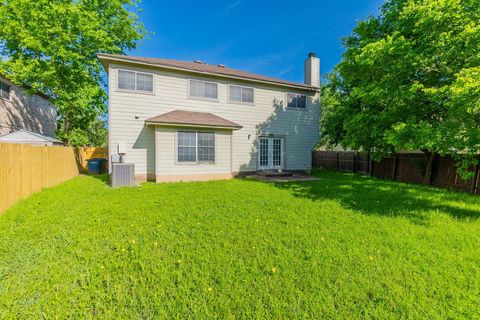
<point>268,115</point>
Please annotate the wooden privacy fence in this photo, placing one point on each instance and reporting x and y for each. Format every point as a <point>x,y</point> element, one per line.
<point>25,169</point>
<point>405,167</point>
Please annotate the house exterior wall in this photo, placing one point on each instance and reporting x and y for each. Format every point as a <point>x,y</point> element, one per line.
<point>267,116</point>
<point>25,111</point>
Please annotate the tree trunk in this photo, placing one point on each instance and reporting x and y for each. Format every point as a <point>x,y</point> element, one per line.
<point>427,178</point>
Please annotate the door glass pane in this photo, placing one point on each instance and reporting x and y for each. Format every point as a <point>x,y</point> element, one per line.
<point>277,152</point>
<point>263,152</point>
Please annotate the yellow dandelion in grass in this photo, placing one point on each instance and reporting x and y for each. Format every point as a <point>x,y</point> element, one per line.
<point>179,261</point>
<point>155,244</point>
<point>133,241</point>
<point>256,220</point>
<point>131,225</point>
<point>123,249</point>
<point>101,267</point>
<point>274,270</point>
<point>210,289</point>
<point>253,247</point>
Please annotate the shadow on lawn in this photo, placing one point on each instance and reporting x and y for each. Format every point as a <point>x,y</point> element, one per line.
<point>378,197</point>
<point>102,177</point>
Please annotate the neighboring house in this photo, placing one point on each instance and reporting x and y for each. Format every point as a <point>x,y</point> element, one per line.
<point>182,120</point>
<point>28,137</point>
<point>20,110</point>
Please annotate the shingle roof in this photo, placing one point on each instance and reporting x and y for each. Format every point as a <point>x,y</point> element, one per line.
<point>204,68</point>
<point>191,118</point>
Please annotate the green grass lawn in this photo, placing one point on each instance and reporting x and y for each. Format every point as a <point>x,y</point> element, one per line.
<point>345,246</point>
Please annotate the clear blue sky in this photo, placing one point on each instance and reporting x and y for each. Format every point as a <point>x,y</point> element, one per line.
<point>265,37</point>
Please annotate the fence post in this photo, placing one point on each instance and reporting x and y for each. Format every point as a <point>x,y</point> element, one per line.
<point>338,161</point>
<point>475,178</point>
<point>353,161</point>
<point>370,165</point>
<point>394,173</point>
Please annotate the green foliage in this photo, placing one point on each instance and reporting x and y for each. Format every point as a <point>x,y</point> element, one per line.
<point>51,46</point>
<point>95,135</point>
<point>343,247</point>
<point>410,80</point>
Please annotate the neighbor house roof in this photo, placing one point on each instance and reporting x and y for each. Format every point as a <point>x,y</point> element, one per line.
<point>23,135</point>
<point>203,68</point>
<point>192,119</point>
<point>24,86</point>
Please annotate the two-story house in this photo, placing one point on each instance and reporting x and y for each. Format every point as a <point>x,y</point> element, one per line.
<point>182,120</point>
<point>24,117</point>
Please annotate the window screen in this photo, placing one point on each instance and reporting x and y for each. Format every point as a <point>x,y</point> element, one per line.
<point>126,80</point>
<point>135,81</point>
<point>196,88</point>
<point>187,146</point>
<point>241,94</point>
<point>206,147</point>
<point>145,82</point>
<point>203,89</point>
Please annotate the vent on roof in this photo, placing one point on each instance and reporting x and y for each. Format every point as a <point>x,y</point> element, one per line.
<point>221,65</point>
<point>198,61</point>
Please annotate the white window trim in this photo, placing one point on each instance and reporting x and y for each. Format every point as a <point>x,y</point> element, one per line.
<point>181,163</point>
<point>9,91</point>
<point>298,94</point>
<point>241,102</point>
<point>203,98</point>
<point>136,91</point>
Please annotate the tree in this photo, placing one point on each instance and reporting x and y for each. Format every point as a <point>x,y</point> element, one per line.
<point>95,135</point>
<point>409,80</point>
<point>51,46</point>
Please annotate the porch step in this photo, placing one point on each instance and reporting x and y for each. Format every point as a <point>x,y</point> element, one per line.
<point>274,173</point>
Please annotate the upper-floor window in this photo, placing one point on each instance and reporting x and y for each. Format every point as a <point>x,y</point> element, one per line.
<point>241,94</point>
<point>135,81</point>
<point>203,89</point>
<point>4,91</point>
<point>296,100</point>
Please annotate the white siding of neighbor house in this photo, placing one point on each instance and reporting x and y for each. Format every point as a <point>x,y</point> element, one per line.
<point>25,111</point>
<point>166,160</point>
<point>269,115</point>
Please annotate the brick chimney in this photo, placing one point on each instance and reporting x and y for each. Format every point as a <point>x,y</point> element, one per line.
<point>312,70</point>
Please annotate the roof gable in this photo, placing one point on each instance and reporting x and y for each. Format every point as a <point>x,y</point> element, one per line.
<point>24,135</point>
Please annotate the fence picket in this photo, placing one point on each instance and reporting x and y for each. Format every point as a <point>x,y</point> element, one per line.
<point>25,169</point>
<point>404,167</point>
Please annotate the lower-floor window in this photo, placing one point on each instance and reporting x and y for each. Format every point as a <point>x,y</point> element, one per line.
<point>194,146</point>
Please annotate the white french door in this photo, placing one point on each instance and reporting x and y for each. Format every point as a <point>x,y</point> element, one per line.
<point>270,153</point>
